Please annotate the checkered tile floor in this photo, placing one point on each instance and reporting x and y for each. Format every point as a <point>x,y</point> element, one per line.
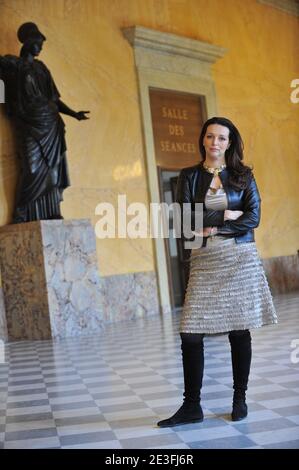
<point>110,390</point>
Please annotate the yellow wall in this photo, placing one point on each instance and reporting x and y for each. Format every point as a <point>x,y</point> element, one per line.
<point>93,67</point>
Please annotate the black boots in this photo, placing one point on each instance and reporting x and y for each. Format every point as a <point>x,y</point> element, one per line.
<point>239,406</point>
<point>240,342</point>
<point>193,365</point>
<point>188,413</point>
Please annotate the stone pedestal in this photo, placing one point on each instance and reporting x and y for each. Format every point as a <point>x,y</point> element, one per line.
<point>50,279</point>
<point>282,273</point>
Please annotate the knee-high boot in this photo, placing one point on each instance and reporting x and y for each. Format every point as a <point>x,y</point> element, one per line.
<point>240,342</point>
<point>193,366</point>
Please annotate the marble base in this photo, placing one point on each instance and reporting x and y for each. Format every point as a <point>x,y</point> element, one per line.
<point>282,273</point>
<point>129,296</point>
<point>50,279</point>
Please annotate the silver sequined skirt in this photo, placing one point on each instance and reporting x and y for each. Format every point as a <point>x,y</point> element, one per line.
<point>227,289</point>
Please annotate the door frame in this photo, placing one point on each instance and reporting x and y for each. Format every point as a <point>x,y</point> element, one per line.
<point>175,63</point>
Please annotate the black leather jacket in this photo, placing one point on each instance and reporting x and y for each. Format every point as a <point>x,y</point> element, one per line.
<point>193,184</point>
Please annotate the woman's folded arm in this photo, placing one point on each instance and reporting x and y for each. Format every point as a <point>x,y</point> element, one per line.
<point>251,213</point>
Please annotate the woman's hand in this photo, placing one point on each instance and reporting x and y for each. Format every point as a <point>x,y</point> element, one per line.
<point>206,232</point>
<point>232,215</point>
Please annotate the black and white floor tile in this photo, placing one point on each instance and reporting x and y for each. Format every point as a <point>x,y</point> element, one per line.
<point>109,391</point>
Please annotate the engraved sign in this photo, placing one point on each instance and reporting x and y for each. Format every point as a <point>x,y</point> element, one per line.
<point>177,120</point>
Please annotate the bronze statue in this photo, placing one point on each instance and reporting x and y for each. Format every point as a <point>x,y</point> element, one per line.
<point>33,102</point>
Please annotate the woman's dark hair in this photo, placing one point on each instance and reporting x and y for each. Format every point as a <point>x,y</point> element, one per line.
<point>239,174</point>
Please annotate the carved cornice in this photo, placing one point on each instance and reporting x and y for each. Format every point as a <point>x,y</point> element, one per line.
<point>171,44</point>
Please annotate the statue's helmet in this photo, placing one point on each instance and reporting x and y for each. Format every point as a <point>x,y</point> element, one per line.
<point>29,31</point>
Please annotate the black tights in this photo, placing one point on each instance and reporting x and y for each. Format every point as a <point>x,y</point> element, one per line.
<point>193,361</point>
<point>195,338</point>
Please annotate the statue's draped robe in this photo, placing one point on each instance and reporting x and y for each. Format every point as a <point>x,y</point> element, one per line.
<point>32,100</point>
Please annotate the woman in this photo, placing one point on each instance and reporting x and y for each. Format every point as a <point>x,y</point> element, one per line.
<point>227,290</point>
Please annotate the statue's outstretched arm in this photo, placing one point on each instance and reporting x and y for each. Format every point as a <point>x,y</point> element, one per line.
<point>64,109</point>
